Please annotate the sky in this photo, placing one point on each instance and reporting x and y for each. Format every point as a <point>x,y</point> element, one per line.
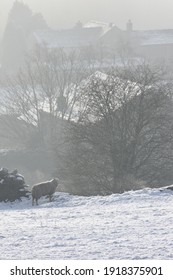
<point>145,14</point>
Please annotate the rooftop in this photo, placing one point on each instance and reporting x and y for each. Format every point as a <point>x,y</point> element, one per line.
<point>80,35</point>
<point>154,37</point>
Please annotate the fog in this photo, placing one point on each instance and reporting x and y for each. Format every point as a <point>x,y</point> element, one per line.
<point>65,110</point>
<point>145,14</point>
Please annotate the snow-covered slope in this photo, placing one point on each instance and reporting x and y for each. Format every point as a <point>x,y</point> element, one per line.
<point>133,225</point>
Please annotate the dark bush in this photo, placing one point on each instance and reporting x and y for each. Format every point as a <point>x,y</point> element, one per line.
<point>12,185</point>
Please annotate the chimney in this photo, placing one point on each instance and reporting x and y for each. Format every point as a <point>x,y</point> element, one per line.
<point>129,26</point>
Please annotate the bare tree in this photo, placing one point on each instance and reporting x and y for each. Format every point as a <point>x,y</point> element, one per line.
<point>128,120</point>
<point>46,89</point>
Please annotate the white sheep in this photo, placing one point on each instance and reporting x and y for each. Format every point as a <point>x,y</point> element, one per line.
<point>45,188</point>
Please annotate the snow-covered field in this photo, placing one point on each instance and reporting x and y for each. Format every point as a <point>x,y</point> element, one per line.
<point>133,225</point>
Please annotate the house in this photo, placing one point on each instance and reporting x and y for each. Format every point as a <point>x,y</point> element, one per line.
<point>105,41</point>
<point>14,133</point>
<point>155,45</point>
<point>91,34</point>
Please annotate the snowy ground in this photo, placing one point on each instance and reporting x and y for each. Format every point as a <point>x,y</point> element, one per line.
<point>133,225</point>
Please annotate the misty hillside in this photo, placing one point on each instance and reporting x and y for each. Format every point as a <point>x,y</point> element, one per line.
<point>133,225</point>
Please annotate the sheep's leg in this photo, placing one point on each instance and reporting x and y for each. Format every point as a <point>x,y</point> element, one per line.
<point>36,201</point>
<point>32,201</point>
<point>50,198</point>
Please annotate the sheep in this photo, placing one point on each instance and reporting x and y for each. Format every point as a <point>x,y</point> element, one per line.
<point>44,189</point>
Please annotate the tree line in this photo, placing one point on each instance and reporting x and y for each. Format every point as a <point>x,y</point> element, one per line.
<point>109,128</point>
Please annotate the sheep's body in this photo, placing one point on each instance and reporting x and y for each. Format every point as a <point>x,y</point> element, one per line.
<point>45,188</point>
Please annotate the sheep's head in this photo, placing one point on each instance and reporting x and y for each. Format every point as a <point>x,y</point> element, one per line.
<point>55,181</point>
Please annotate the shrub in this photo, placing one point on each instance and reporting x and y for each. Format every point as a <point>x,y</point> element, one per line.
<point>12,185</point>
